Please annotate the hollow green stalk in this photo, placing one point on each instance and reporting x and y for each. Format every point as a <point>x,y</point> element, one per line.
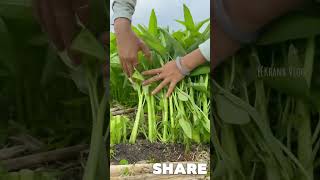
<point>165,119</point>
<point>134,131</point>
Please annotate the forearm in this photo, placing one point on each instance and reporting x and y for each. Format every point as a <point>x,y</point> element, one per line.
<point>223,45</point>
<point>123,11</point>
<point>121,25</point>
<point>193,60</point>
<point>248,17</point>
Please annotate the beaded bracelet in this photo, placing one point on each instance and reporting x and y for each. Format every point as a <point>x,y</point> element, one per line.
<point>181,68</point>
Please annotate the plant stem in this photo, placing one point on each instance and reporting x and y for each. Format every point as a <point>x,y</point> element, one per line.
<point>172,122</point>
<point>134,131</point>
<point>305,138</point>
<point>165,119</point>
<point>97,143</point>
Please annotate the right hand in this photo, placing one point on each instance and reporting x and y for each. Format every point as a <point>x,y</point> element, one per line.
<point>129,45</point>
<point>59,19</point>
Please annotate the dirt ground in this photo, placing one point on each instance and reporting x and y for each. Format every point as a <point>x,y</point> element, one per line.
<point>146,152</point>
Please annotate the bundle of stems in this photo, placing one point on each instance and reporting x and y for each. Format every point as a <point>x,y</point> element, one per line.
<point>184,116</point>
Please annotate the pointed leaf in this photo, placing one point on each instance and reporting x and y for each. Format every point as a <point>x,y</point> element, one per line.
<point>186,126</point>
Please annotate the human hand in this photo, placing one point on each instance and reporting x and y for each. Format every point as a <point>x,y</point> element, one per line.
<point>59,19</point>
<point>169,74</point>
<point>129,45</point>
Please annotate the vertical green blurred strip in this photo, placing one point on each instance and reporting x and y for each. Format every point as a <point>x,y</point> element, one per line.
<point>99,16</point>
<point>98,23</point>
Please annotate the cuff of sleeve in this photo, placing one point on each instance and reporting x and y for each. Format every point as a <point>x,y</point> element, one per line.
<point>205,49</point>
<point>123,9</point>
<point>121,15</point>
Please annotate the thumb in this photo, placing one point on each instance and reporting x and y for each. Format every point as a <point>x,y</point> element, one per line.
<point>145,49</point>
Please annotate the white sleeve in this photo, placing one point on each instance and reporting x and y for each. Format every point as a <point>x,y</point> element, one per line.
<point>123,9</point>
<point>205,49</point>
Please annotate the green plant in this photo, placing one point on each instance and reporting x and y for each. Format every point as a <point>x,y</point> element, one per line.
<point>184,116</point>
<point>49,98</point>
<point>264,113</point>
<point>118,129</point>
<point>123,162</point>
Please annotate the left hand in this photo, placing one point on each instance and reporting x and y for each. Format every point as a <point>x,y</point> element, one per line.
<point>169,74</point>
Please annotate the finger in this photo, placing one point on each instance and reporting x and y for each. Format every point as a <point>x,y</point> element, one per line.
<point>48,23</point>
<point>161,85</point>
<point>152,71</point>
<point>130,69</point>
<point>81,8</point>
<point>153,79</point>
<point>134,61</point>
<point>171,88</point>
<point>124,66</point>
<point>65,20</point>
<point>145,49</point>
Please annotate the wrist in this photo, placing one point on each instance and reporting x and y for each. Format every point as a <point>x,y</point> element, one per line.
<point>193,60</point>
<point>122,25</point>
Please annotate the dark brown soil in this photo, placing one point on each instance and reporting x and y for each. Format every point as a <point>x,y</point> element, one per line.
<point>146,152</point>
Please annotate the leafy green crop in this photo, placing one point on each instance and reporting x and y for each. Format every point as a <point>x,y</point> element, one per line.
<point>183,117</point>
<point>265,106</point>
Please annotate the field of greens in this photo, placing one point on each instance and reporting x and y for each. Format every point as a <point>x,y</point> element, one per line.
<point>48,105</point>
<point>183,118</point>
<point>266,104</point>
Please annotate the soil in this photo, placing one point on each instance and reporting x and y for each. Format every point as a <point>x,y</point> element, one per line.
<point>146,152</point>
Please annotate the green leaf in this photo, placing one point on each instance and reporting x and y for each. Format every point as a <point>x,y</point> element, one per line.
<point>309,60</point>
<point>202,87</point>
<point>230,112</point>
<point>79,78</point>
<point>295,26</point>
<point>204,69</point>
<point>188,18</point>
<point>177,47</point>
<point>206,124</point>
<point>87,44</point>
<point>52,67</point>
<point>137,77</point>
<point>17,9</point>
<point>297,79</point>
<point>183,96</point>
<point>196,136</point>
<point>13,176</point>
<point>6,48</point>
<point>27,175</point>
<point>123,162</point>
<point>152,42</point>
<point>200,24</point>
<point>153,23</point>
<point>186,126</point>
